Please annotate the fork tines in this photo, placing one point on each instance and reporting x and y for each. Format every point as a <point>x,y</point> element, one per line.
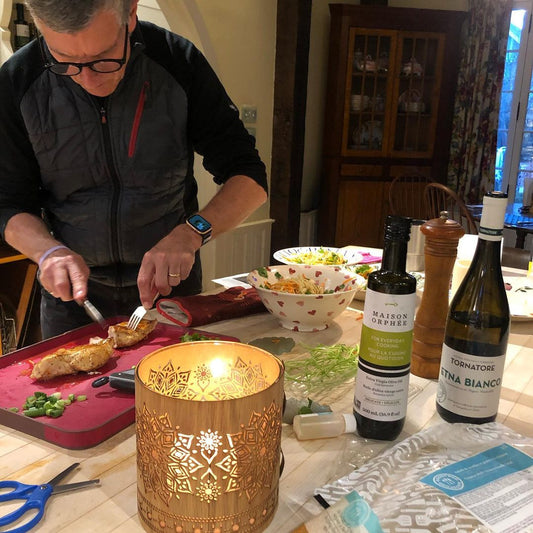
<point>136,317</point>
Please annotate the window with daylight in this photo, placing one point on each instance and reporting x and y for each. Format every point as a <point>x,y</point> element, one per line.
<point>514,156</point>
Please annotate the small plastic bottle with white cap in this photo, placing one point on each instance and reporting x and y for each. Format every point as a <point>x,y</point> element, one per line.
<point>323,425</point>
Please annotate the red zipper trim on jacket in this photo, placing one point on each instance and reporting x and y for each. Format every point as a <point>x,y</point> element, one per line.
<point>137,119</point>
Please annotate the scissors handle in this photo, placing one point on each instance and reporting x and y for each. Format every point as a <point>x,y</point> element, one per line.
<point>36,497</point>
<point>20,490</point>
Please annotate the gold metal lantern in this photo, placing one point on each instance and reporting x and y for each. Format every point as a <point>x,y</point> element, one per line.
<point>208,422</point>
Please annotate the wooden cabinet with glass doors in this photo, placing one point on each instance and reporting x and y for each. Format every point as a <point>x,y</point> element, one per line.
<point>391,80</point>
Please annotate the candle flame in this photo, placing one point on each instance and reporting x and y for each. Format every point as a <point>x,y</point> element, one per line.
<point>218,367</point>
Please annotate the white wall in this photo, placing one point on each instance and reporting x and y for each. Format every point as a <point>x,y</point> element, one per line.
<point>238,39</point>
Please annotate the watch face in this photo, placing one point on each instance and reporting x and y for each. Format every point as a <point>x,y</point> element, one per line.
<point>200,223</point>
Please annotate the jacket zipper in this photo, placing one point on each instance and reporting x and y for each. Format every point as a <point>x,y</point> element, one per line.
<point>116,185</point>
<point>137,119</point>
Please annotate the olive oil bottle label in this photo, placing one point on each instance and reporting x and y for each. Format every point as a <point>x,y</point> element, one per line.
<point>387,331</point>
<point>382,384</point>
<point>381,395</point>
<point>469,385</point>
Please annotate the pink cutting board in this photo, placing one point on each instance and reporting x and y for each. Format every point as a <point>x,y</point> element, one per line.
<point>106,410</point>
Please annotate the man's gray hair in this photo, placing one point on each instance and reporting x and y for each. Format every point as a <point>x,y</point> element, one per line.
<point>70,16</point>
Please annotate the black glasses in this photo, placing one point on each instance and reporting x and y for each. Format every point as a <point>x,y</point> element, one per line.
<point>103,66</point>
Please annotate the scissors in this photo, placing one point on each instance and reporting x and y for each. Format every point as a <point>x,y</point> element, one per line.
<point>36,497</point>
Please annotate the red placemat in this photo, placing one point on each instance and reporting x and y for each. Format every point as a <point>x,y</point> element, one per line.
<point>106,410</point>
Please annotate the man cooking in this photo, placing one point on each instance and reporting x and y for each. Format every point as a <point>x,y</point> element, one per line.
<point>99,121</point>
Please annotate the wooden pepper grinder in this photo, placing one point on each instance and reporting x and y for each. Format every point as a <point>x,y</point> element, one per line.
<point>442,235</point>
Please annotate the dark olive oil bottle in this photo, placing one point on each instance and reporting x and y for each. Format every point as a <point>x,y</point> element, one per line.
<point>382,381</point>
<point>477,329</point>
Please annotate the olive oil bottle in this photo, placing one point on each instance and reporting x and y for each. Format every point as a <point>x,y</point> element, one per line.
<point>477,329</point>
<point>382,381</point>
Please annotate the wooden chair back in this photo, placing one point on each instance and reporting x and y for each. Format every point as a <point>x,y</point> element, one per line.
<point>439,198</point>
<point>406,196</point>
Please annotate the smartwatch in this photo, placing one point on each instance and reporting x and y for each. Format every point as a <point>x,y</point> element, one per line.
<point>201,226</point>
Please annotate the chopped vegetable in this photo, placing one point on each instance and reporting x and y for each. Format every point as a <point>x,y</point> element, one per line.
<point>299,284</point>
<point>364,270</point>
<point>190,337</point>
<point>81,398</point>
<point>54,413</point>
<point>324,368</point>
<point>306,409</point>
<point>41,404</point>
<point>318,257</point>
<point>34,412</point>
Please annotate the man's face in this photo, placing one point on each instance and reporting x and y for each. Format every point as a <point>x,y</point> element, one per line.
<point>102,39</point>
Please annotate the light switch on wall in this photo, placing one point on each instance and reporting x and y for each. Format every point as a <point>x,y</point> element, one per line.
<point>249,114</point>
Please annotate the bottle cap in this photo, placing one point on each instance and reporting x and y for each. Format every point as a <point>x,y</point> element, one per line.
<point>350,423</point>
<point>397,228</point>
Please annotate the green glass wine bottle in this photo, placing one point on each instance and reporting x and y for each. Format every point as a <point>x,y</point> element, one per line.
<point>477,329</point>
<point>22,28</point>
<point>382,381</point>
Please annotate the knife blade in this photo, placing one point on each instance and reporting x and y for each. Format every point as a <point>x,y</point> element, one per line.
<point>91,310</point>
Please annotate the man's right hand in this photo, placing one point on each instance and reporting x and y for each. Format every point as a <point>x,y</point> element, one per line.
<point>64,274</point>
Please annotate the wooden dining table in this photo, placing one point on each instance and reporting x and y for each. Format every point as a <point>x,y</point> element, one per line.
<point>112,506</point>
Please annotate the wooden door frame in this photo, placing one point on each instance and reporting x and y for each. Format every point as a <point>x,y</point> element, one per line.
<point>293,29</point>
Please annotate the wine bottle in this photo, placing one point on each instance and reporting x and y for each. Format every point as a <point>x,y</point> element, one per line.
<point>382,381</point>
<point>477,329</point>
<point>22,28</point>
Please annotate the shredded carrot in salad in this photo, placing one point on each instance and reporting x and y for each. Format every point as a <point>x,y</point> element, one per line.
<point>297,285</point>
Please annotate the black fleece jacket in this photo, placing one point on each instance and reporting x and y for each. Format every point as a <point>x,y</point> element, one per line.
<point>113,177</point>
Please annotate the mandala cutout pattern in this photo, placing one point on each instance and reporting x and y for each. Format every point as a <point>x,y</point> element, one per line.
<point>239,380</point>
<point>210,464</point>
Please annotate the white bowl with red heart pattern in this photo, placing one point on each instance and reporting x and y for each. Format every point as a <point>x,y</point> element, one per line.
<point>306,312</point>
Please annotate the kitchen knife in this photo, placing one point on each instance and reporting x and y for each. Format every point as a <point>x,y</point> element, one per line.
<point>124,380</point>
<point>91,310</point>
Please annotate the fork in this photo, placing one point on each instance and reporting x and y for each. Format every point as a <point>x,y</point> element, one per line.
<point>139,313</point>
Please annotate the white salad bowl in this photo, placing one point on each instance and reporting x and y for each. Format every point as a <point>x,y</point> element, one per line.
<point>306,312</point>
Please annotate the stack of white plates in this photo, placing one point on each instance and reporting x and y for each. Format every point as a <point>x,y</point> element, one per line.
<point>358,102</point>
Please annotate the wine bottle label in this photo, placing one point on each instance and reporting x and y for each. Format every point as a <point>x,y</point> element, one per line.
<point>469,385</point>
<point>22,30</point>
<point>492,218</point>
<point>382,384</point>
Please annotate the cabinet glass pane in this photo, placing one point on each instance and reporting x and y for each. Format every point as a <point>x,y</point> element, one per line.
<point>367,92</point>
<point>417,102</point>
